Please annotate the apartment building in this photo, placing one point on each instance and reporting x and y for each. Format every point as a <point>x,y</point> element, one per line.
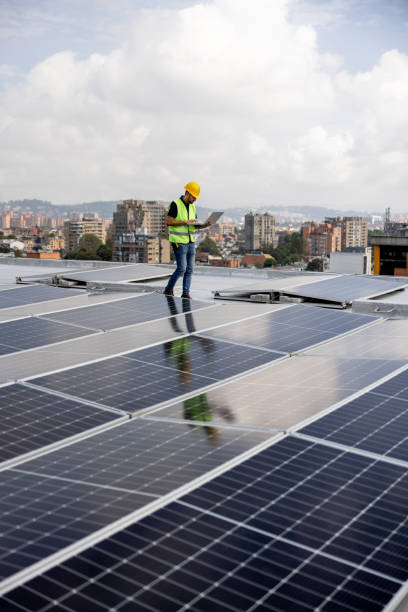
<point>354,231</point>
<point>133,214</point>
<point>259,231</point>
<point>140,247</point>
<point>322,238</point>
<point>75,229</point>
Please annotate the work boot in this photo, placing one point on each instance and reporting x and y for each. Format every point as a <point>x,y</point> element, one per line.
<point>168,292</point>
<point>185,295</point>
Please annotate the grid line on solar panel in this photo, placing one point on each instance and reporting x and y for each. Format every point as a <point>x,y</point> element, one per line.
<point>127,312</point>
<point>180,558</point>
<point>293,328</point>
<point>34,294</point>
<point>32,419</point>
<point>152,376</point>
<point>372,423</point>
<point>337,502</point>
<point>147,456</point>
<point>31,332</point>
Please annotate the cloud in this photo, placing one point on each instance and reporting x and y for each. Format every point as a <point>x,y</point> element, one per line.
<point>231,94</point>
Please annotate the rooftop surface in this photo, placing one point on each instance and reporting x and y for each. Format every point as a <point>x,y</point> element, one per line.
<point>166,454</point>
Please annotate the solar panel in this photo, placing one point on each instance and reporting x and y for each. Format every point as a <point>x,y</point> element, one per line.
<point>334,502</point>
<point>33,294</point>
<point>285,394</point>
<point>129,311</point>
<point>376,421</point>
<point>146,456</point>
<point>33,331</point>
<point>42,513</point>
<point>31,419</point>
<point>292,329</point>
<point>158,374</point>
<point>388,340</point>
<point>183,559</point>
<point>119,273</point>
<point>346,288</point>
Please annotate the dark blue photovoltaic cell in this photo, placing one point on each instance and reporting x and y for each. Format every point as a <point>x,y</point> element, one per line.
<point>129,311</point>
<point>341,503</point>
<point>395,387</point>
<point>292,329</point>
<point>372,422</point>
<point>32,332</point>
<point>34,294</point>
<point>154,375</point>
<point>31,419</point>
<point>39,516</point>
<point>180,557</point>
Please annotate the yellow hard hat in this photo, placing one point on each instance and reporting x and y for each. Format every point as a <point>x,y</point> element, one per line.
<point>193,188</point>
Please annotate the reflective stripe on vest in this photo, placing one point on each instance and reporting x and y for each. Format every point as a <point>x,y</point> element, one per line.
<point>183,234</point>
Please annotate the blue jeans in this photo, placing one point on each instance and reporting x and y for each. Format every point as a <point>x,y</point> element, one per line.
<point>185,255</point>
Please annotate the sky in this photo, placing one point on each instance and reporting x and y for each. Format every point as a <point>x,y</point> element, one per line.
<point>262,102</point>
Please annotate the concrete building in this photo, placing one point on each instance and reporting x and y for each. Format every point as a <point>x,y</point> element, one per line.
<point>133,214</point>
<point>6,220</point>
<point>140,247</point>
<point>322,238</point>
<point>259,231</point>
<point>75,229</point>
<point>355,260</point>
<point>354,231</point>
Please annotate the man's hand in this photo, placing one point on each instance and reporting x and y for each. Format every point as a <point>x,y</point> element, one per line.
<point>191,221</point>
<point>207,224</point>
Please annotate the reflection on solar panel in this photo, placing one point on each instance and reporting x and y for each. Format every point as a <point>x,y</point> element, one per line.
<point>33,294</point>
<point>376,421</point>
<point>345,289</point>
<point>33,331</point>
<point>146,456</point>
<point>129,311</point>
<point>292,329</point>
<point>157,374</point>
<point>285,394</point>
<point>31,419</point>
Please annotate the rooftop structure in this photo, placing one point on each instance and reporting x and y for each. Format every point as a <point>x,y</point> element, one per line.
<point>166,454</point>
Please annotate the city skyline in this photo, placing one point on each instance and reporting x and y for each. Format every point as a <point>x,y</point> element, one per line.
<point>294,102</point>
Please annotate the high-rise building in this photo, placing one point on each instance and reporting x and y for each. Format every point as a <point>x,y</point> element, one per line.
<point>134,214</point>
<point>6,219</point>
<point>354,231</point>
<point>259,231</point>
<point>74,230</point>
<point>322,238</point>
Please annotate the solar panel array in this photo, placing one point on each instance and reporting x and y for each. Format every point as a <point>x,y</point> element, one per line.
<point>345,289</point>
<point>214,497</point>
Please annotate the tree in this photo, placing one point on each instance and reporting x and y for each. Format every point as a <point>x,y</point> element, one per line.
<point>315,265</point>
<point>105,251</point>
<point>294,248</point>
<point>18,253</point>
<point>269,261</point>
<point>208,246</point>
<point>90,243</point>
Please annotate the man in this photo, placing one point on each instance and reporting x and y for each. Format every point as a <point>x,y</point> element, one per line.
<point>181,222</point>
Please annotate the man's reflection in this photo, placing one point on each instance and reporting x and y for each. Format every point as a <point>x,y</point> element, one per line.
<point>178,351</point>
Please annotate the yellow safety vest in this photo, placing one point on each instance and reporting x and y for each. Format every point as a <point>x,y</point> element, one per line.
<point>183,234</point>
